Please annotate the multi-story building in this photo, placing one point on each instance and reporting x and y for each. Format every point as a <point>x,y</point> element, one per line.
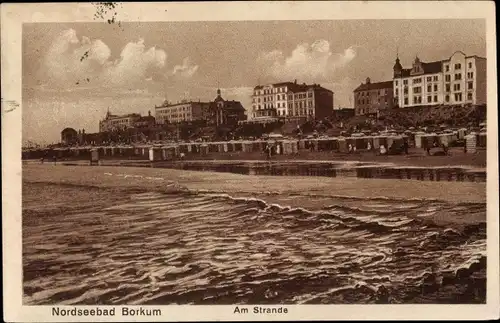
<point>118,122</point>
<point>370,98</point>
<point>289,100</point>
<point>146,121</point>
<point>226,112</point>
<point>459,80</point>
<point>184,111</point>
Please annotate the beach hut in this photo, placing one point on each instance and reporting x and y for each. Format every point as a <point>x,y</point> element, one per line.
<point>461,133</point>
<point>205,149</point>
<point>342,145</point>
<point>295,147</point>
<point>470,143</point>
<point>238,146</point>
<point>481,139</point>
<point>94,156</point>
<point>155,154</point>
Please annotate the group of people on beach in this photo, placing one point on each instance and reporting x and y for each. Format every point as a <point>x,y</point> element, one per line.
<point>394,149</point>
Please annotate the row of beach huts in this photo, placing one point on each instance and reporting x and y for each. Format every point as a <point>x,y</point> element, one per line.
<point>280,146</point>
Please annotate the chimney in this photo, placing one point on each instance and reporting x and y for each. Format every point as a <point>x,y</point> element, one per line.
<point>295,82</point>
<point>149,113</point>
<point>367,80</point>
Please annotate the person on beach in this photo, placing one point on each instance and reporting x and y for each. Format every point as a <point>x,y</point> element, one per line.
<point>350,148</point>
<point>369,146</point>
<point>383,151</point>
<point>405,147</point>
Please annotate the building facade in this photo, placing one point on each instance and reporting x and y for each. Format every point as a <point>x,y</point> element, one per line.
<point>370,98</point>
<point>459,80</point>
<point>118,122</point>
<point>184,111</point>
<point>289,100</point>
<point>226,112</point>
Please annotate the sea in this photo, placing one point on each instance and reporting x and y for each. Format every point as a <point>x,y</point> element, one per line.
<point>181,247</point>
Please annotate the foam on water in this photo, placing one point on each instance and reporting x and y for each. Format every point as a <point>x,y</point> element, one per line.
<point>209,248</point>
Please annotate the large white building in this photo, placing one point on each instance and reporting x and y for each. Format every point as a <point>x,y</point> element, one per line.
<point>290,100</point>
<point>459,80</point>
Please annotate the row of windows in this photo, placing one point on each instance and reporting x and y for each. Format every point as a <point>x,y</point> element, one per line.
<point>270,91</point>
<point>434,78</point>
<point>458,76</point>
<point>367,101</point>
<point>282,105</point>
<point>379,92</point>
<point>430,99</point>
<point>457,66</point>
<point>457,87</point>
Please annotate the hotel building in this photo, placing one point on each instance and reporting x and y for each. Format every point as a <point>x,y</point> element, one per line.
<point>289,100</point>
<point>184,111</point>
<point>369,98</point>
<point>118,122</point>
<point>459,80</point>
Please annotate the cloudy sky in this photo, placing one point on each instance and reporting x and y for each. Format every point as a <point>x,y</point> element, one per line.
<point>72,73</point>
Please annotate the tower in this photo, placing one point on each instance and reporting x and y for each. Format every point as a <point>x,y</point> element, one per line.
<point>398,69</point>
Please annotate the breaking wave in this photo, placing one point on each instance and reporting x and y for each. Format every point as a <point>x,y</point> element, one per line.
<point>211,248</point>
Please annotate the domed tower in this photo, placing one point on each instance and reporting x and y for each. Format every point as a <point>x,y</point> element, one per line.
<point>398,69</point>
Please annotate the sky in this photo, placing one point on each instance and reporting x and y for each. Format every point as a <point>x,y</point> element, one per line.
<point>74,72</point>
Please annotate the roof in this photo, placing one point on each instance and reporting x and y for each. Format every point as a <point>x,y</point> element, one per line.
<point>432,67</point>
<point>374,86</point>
<point>295,87</point>
<point>68,130</point>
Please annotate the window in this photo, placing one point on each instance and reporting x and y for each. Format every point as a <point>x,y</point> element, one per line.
<point>429,99</point>
<point>397,92</point>
<point>469,96</point>
<point>405,90</point>
<point>470,75</point>
<point>448,78</point>
<point>429,78</point>
<point>470,64</point>
<point>415,81</point>
<point>417,89</point>
<point>435,78</point>
<point>456,87</point>
<point>406,101</point>
<point>447,68</point>
<point>447,98</point>
<point>435,87</point>
<point>405,82</point>
<point>458,97</point>
<point>458,76</point>
<point>429,88</point>
<point>435,98</point>
<point>470,85</point>
<point>396,83</point>
<point>458,66</point>
<point>447,88</point>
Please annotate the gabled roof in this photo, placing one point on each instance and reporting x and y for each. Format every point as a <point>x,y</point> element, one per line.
<point>374,86</point>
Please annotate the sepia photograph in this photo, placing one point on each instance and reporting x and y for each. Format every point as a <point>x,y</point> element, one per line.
<point>258,164</point>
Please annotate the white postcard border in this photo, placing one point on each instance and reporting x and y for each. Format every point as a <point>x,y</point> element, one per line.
<point>14,15</point>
